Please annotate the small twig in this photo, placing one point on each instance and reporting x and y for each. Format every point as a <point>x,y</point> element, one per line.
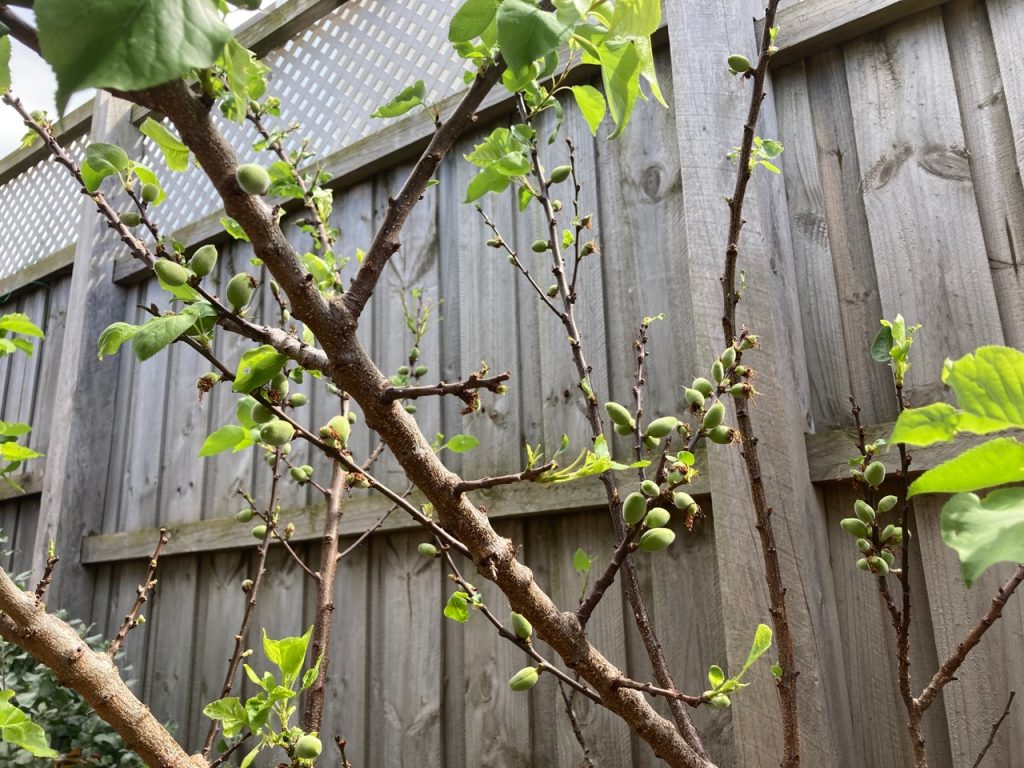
<point>375,454</point>
<point>366,534</point>
<point>51,561</point>
<point>640,345</point>
<point>653,690</point>
<point>995,729</point>
<point>230,751</point>
<point>464,390</point>
<point>622,551</point>
<point>513,258</point>
<point>132,618</point>
<point>468,486</point>
<point>577,731</point>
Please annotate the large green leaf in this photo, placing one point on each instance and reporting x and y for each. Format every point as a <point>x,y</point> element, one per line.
<point>471,20</point>
<point>591,105</point>
<point>223,439</point>
<point>996,462</point>
<point>985,531</point>
<point>16,728</point>
<point>174,151</point>
<point>159,333</point>
<point>127,44</point>
<point>526,33</point>
<point>230,713</point>
<point>620,69</point>
<point>636,18</point>
<point>940,422</point>
<point>406,99</point>
<point>257,367</point>
<point>989,383</point>
<point>18,322</point>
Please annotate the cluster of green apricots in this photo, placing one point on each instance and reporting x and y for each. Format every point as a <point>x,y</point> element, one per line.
<point>877,543</point>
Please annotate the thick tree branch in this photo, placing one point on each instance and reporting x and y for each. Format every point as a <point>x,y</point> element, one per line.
<point>54,643</point>
<point>465,389</point>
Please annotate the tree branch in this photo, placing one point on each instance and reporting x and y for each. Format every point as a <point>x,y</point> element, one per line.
<point>132,619</point>
<point>465,389</point>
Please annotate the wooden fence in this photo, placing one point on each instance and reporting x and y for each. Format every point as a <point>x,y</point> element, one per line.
<point>901,191</point>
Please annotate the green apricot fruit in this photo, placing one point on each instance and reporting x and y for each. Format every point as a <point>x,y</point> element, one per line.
<point>411,408</point>
<point>353,417</point>
<point>722,435</point>
<point>717,371</point>
<point>887,503</point>
<point>259,531</point>
<point>539,246</point>
<point>720,701</point>
<point>552,290</point>
<point>246,584</point>
<point>695,396</point>
<point>624,430</point>
<point>888,556</point>
<point>337,429</point>
<point>239,290</point>
<point>662,427</point>
<point>887,533</point>
<point>279,387</point>
<point>656,539</point>
<point>298,475</point>
<point>308,747</point>
<point>650,488</point>
<point>683,501</point>
<point>522,627</point>
<point>171,272</point>
<point>244,515</point>
<point>260,414</point>
<point>878,565</point>
<point>865,546</point>
<point>863,564</point>
<point>703,386</point>
<point>277,433</point>
<point>403,370</point>
<point>560,173</point>
<point>634,508</point>
<point>420,370</point>
<point>619,415</point>
<point>427,549</point>
<point>130,218</point>
<point>738,63</point>
<point>657,518</point>
<point>855,527</point>
<point>253,179</point>
<point>650,443</point>
<point>741,390</point>
<point>203,260</point>
<point>874,474</point>
<point>524,679</point>
<point>714,415</point>
<point>414,354</point>
<point>864,511</point>
<point>149,193</point>
<point>297,400</point>
<point>728,357</point>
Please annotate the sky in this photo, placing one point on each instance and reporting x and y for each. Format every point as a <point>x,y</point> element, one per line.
<point>33,82</point>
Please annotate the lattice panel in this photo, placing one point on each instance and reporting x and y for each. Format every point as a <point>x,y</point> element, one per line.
<point>40,211</point>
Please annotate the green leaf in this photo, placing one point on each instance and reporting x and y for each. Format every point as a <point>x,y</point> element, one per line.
<point>246,76</point>
<point>257,367</point>
<point>310,675</point>
<point>620,70</point>
<point>16,728</point>
<point>290,654</point>
<point>102,160</point>
<point>174,151</point>
<point>989,383</point>
<point>470,21</point>
<point>715,676</point>
<point>457,607</point>
<point>985,531</point>
<point>777,671</point>
<point>407,99</point>
<point>996,462</point>
<point>461,443</point>
<point>486,181</point>
<point>13,429</point>
<point>113,337</point>
<point>159,332</point>
<point>581,561</point>
<point>636,18</point>
<point>5,63</point>
<point>223,439</point>
<point>247,760</point>
<point>15,452</point>
<point>17,322</point>
<point>230,713</point>
<point>233,228</point>
<point>127,44</point>
<point>146,176</point>
<point>591,105</point>
<point>526,33</point>
<point>881,345</point>
<point>762,642</point>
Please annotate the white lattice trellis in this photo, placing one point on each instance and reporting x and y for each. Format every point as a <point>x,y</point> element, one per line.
<point>39,212</point>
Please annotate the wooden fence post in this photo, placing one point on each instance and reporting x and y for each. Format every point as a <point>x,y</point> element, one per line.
<point>74,488</point>
<point>710,108</point>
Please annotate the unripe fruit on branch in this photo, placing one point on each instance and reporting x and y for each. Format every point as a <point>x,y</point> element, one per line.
<point>560,173</point>
<point>244,515</point>
<point>713,416</point>
<point>414,354</point>
<point>297,400</point>
<point>661,427</point>
<point>420,370</point>
<point>149,193</point>
<point>539,246</point>
<point>656,539</point>
<point>703,386</point>
<point>428,550</point>
<point>719,701</point>
<point>863,564</point>
<point>888,556</point>
<point>878,565</point>
<point>353,417</point>
<point>865,546</point>
<point>410,408</point>
<point>623,429</point>
<point>259,531</point>
<point>887,503</point>
<point>261,414</point>
<point>634,508</point>
<point>337,429</point>
<point>723,435</point>
<point>864,511</point>
<point>171,272</point>
<point>308,747</point>
<point>524,679</point>
<point>203,260</point>
<point>650,443</point>
<point>552,290</point>
<point>130,218</point>
<point>728,357</point>
<point>695,396</point>
<point>298,475</point>
<point>657,518</point>
<point>887,533</point>
<point>855,527</point>
<point>741,390</point>
<point>738,63</point>
<point>520,625</point>
<point>684,501</point>
<point>239,290</point>
<point>253,179</point>
<point>650,488</point>
<point>619,415</point>
<point>874,474</point>
<point>717,371</point>
<point>277,433</point>
<point>748,342</point>
<point>279,387</point>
